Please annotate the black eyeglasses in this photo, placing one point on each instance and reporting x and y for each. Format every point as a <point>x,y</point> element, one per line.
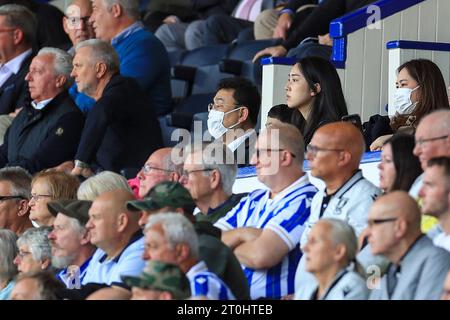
<point>313,150</point>
<point>2,198</point>
<point>422,141</point>
<point>258,151</point>
<point>372,222</point>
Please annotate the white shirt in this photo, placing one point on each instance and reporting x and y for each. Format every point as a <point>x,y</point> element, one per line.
<point>12,66</point>
<point>41,104</point>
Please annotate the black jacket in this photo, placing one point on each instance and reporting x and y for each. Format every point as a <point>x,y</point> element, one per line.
<point>121,129</point>
<point>14,92</point>
<point>40,139</point>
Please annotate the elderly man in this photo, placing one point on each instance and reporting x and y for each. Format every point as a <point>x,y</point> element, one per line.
<point>159,167</point>
<point>120,129</point>
<point>209,174</point>
<point>15,190</point>
<point>115,232</point>
<point>18,25</point>
<point>417,268</point>
<point>233,115</point>
<point>142,56</point>
<point>36,286</point>
<point>435,196</point>
<point>446,293</point>
<point>47,131</point>
<point>171,196</point>
<point>171,238</point>
<point>432,140</point>
<point>264,229</point>
<point>70,240</point>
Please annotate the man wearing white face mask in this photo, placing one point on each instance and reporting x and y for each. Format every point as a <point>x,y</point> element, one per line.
<point>233,115</point>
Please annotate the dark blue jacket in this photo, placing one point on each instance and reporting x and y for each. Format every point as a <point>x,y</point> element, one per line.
<point>41,139</point>
<point>121,130</point>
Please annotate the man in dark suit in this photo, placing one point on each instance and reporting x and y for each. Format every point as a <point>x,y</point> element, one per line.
<point>17,27</point>
<point>121,129</point>
<point>45,132</point>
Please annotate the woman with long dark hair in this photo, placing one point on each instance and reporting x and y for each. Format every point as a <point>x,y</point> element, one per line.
<point>314,90</point>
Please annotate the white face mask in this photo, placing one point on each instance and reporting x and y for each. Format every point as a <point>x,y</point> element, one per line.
<point>402,101</point>
<point>215,123</point>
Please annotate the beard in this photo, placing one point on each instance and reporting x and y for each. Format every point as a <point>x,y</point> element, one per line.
<point>62,262</point>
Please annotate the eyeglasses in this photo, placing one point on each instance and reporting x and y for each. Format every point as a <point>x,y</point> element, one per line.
<point>2,198</point>
<point>186,173</point>
<point>76,21</point>
<point>22,254</point>
<point>312,150</point>
<point>213,106</point>
<point>147,169</point>
<point>36,197</point>
<point>372,222</point>
<point>422,141</point>
<point>259,151</point>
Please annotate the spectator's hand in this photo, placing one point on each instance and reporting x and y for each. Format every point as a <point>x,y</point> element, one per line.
<point>326,40</point>
<point>15,112</point>
<point>171,20</point>
<point>63,167</point>
<point>277,51</point>
<point>85,172</point>
<point>283,24</point>
<point>288,297</point>
<point>378,143</point>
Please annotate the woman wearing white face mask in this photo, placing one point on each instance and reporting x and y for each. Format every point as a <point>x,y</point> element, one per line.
<point>420,90</point>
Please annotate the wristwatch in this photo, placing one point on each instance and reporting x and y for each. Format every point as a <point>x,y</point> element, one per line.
<point>81,164</point>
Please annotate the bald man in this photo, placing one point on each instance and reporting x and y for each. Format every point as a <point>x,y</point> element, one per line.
<point>264,229</point>
<point>417,268</point>
<point>116,233</point>
<point>159,167</point>
<point>432,141</point>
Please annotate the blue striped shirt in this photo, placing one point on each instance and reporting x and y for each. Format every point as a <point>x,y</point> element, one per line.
<point>285,215</point>
<point>208,284</point>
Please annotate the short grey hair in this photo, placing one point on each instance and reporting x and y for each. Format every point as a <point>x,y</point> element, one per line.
<point>216,155</point>
<point>177,230</point>
<point>9,250</point>
<point>105,181</point>
<point>102,51</point>
<point>19,180</point>
<point>36,239</point>
<point>62,63</point>
<point>130,7</point>
<point>18,16</point>
<point>343,233</point>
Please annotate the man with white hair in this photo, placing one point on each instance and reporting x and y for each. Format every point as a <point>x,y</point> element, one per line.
<point>47,131</point>
<point>121,130</point>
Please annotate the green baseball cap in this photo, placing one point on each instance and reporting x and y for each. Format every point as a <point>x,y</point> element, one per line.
<point>77,209</point>
<point>164,194</point>
<point>161,276</point>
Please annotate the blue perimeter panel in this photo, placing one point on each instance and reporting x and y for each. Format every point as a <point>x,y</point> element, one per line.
<point>368,157</point>
<point>418,45</point>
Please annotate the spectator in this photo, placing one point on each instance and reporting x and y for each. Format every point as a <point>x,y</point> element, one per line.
<point>15,189</point>
<point>171,238</point>
<point>71,247</point>
<point>417,268</point>
<point>113,137</point>
<point>264,229</point>
<point>102,182</point>
<point>279,114</point>
<point>435,196</point>
<point>159,167</point>
<point>35,252</point>
<point>171,196</point>
<point>233,116</point>
<point>209,172</point>
<point>331,256</point>
<point>446,293</point>
<point>48,186</point>
<point>142,56</point>
<point>420,90</point>
<point>36,286</point>
<point>399,167</point>
<point>314,91</point>
<point>115,232</point>
<point>15,57</point>
<point>159,281</point>
<point>8,270</point>
<point>47,131</point>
